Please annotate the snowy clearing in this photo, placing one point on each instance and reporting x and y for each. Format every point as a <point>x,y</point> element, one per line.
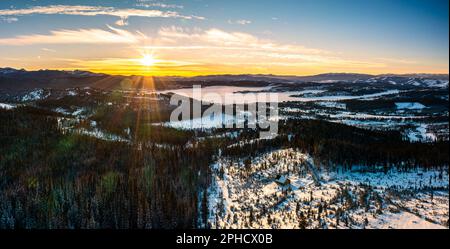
<point>278,190</point>
<point>7,106</point>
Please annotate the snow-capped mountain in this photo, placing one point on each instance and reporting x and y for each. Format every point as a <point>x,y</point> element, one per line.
<point>9,70</point>
<point>440,82</point>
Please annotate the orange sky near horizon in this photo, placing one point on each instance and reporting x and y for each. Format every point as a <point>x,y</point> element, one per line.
<point>124,38</point>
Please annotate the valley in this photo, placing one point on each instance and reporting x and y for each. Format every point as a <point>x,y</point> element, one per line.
<point>351,152</point>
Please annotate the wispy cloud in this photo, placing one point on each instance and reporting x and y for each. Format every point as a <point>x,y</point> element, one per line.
<point>397,61</point>
<point>82,10</point>
<point>48,50</point>
<point>183,51</point>
<point>151,3</point>
<point>240,22</point>
<point>244,49</point>
<point>78,36</point>
<point>229,40</point>
<point>7,19</point>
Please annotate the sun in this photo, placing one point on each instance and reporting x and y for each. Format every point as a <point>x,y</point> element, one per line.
<point>148,60</point>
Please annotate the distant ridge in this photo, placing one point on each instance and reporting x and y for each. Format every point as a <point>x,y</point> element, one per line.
<point>325,76</point>
<point>20,79</point>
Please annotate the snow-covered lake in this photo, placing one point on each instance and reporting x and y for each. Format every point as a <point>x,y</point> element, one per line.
<point>239,95</point>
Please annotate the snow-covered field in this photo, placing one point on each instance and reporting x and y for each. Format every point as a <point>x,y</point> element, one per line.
<point>7,106</point>
<point>415,127</point>
<point>35,95</point>
<point>409,105</point>
<point>279,190</point>
<point>420,133</point>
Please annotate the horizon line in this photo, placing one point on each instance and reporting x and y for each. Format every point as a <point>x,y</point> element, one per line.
<point>222,74</point>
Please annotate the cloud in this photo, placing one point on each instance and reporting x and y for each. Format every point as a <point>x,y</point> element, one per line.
<point>237,48</point>
<point>229,40</point>
<point>78,36</point>
<point>193,51</point>
<point>240,22</point>
<point>397,61</point>
<point>82,10</point>
<point>122,22</point>
<point>8,19</point>
<point>48,50</point>
<point>149,4</point>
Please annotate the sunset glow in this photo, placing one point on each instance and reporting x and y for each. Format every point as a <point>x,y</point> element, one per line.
<point>195,40</point>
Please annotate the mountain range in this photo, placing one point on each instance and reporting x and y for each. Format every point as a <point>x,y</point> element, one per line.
<point>12,80</point>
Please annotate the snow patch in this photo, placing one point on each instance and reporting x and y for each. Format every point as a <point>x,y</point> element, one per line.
<point>7,106</point>
<point>409,106</point>
<point>35,95</point>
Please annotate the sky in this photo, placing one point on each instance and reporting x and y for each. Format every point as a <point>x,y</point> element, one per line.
<point>202,37</point>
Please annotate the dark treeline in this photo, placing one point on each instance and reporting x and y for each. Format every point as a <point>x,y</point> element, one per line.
<point>433,103</point>
<point>51,180</point>
<point>337,144</point>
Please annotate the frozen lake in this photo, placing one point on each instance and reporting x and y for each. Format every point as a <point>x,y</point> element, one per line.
<point>240,95</point>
